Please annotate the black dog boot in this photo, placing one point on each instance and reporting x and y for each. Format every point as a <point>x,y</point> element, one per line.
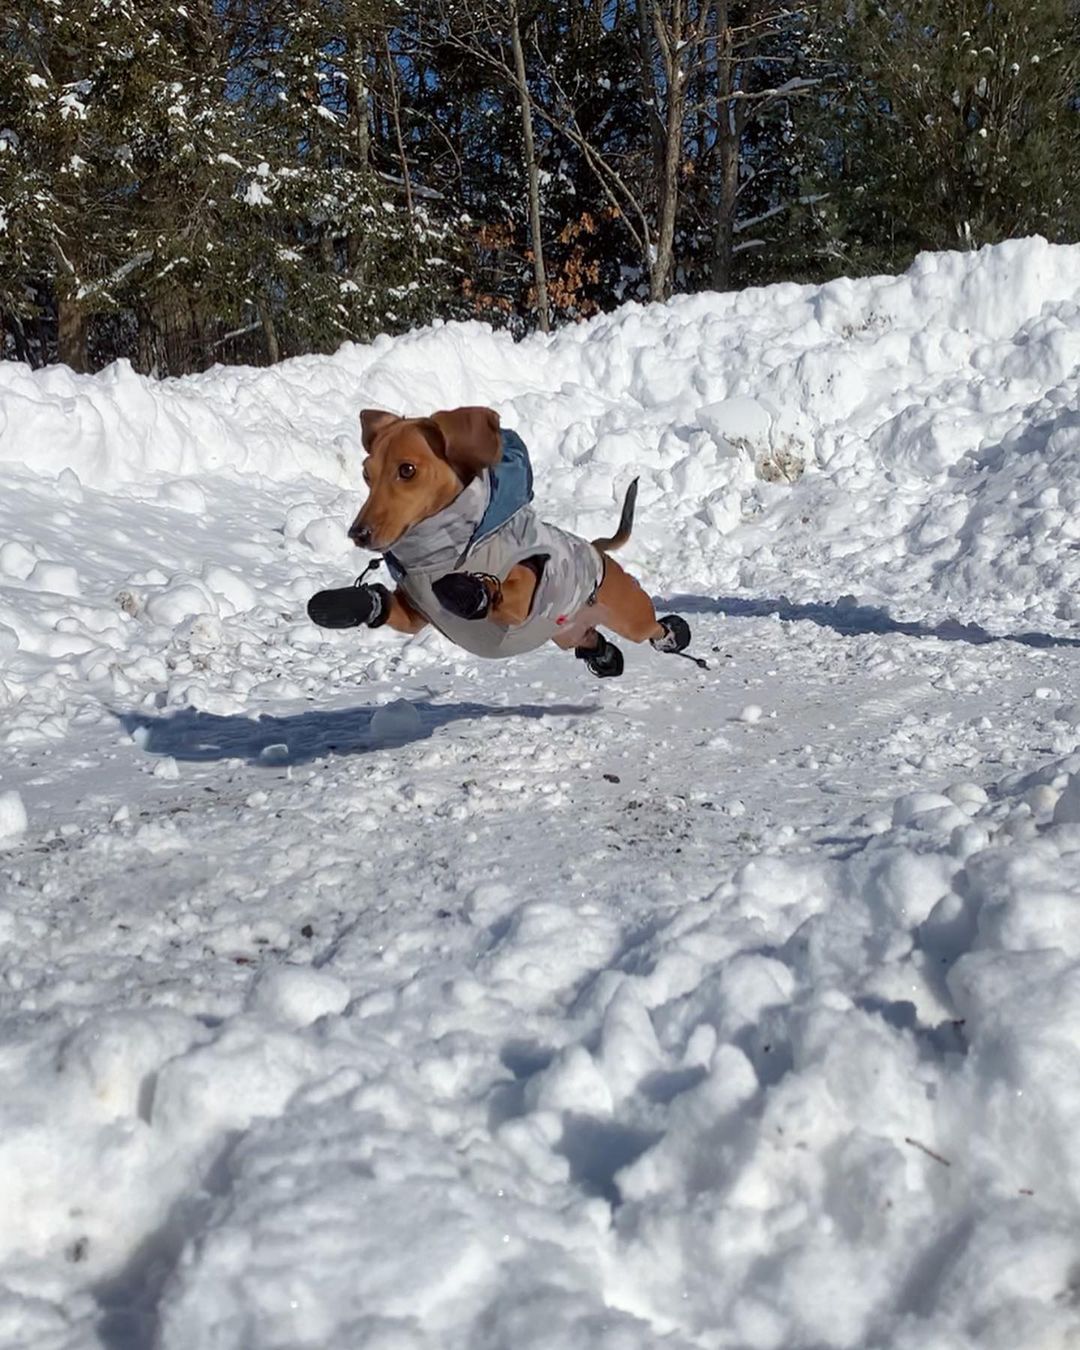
<point>350,607</point>
<point>463,594</point>
<point>676,634</point>
<point>604,660</point>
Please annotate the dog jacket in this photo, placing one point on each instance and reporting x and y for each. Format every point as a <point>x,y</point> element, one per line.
<point>490,527</point>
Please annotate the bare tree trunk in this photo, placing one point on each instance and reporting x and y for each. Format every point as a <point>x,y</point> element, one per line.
<point>650,94</point>
<point>728,151</point>
<point>360,127</point>
<point>723,232</point>
<point>146,361</point>
<point>18,334</point>
<point>357,103</point>
<point>663,263</point>
<point>273,348</point>
<point>532,172</point>
<point>730,122</point>
<point>71,335</point>
<point>670,39</point>
<point>395,109</point>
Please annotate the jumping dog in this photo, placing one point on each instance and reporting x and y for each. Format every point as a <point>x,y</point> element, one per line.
<point>449,508</point>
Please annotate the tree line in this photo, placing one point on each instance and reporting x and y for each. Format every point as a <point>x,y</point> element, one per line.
<point>242,180</point>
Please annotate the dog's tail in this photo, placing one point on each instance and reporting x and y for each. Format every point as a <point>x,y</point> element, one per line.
<point>626,523</point>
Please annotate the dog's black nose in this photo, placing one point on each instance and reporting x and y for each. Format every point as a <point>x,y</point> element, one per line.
<point>360,535</point>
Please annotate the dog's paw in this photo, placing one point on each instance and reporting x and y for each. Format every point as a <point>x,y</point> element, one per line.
<point>463,595</point>
<point>348,607</point>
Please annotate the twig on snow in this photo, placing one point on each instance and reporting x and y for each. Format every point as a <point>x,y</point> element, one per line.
<point>928,1151</point>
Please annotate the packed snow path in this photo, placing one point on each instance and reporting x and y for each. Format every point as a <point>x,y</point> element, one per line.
<point>582,1015</point>
<point>355,993</point>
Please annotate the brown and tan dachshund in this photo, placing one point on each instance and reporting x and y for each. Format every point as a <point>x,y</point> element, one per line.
<point>416,469</point>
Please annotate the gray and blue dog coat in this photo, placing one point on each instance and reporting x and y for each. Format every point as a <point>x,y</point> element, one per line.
<point>490,527</point>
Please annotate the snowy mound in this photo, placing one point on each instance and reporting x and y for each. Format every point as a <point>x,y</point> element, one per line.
<point>931,423</point>
<point>358,993</point>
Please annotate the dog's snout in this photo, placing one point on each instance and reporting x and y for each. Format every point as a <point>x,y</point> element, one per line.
<point>360,534</point>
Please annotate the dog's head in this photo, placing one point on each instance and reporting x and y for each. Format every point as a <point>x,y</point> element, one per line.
<point>416,466</point>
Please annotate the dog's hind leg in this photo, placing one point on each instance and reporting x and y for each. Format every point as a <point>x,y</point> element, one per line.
<point>602,657</point>
<point>620,605</point>
<point>623,606</point>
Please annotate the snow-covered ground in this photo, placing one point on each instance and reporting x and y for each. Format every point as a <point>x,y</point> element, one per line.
<point>360,995</point>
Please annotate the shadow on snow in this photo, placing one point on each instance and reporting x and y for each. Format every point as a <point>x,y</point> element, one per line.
<point>852,620</point>
<point>191,735</point>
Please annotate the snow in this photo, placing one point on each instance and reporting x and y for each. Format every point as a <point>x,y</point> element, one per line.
<point>397,721</point>
<point>1066,806</point>
<point>13,820</point>
<point>355,992</point>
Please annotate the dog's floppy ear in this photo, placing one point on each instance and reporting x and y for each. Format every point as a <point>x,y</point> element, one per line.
<point>472,438</point>
<point>372,421</point>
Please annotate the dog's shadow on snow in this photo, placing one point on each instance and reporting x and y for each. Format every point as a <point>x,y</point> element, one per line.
<point>852,620</point>
<point>299,738</point>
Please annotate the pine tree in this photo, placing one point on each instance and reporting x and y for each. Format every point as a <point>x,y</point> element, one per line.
<point>64,182</point>
<point>174,178</point>
<point>260,214</point>
<point>251,179</point>
<point>954,125</point>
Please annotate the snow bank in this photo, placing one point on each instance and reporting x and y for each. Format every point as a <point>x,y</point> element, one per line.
<point>832,1102</point>
<point>930,422</point>
<point>908,447</point>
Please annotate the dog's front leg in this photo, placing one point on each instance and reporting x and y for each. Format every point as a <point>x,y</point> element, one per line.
<point>512,603</point>
<point>363,606</point>
<point>481,596</point>
<point>403,618</point>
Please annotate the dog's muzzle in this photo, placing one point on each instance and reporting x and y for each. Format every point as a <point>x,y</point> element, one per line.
<point>360,535</point>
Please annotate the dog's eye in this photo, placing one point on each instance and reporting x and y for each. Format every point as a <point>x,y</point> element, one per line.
<point>407,471</point>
